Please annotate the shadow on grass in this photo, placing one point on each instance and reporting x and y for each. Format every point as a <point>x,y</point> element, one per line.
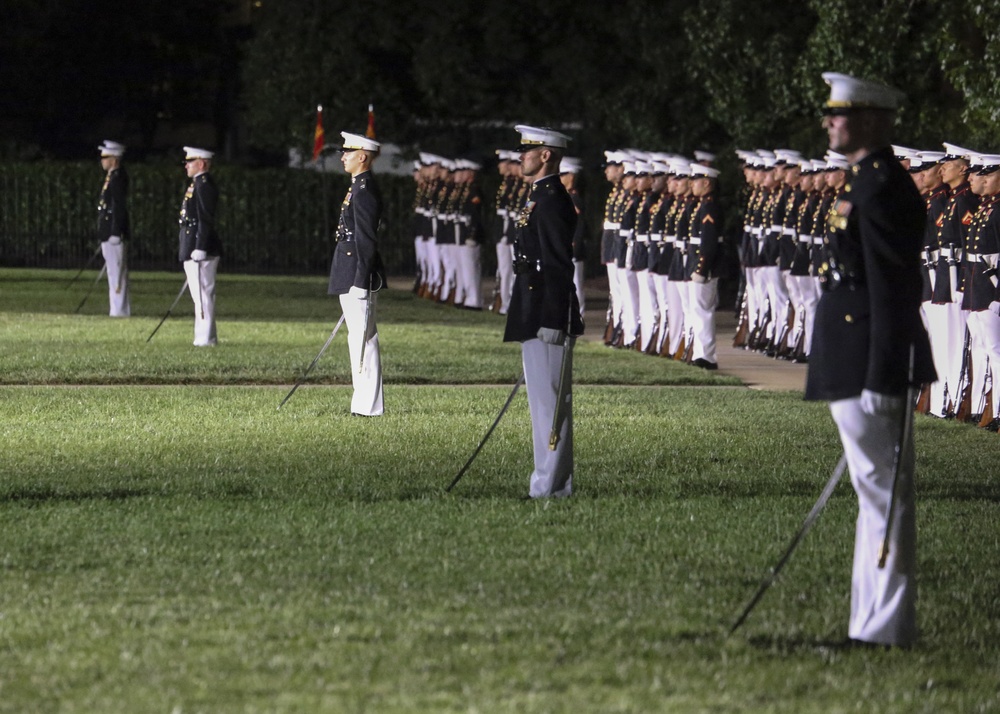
<point>38,496</point>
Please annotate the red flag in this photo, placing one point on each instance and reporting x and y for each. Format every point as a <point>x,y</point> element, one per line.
<point>318,138</point>
<point>370,131</point>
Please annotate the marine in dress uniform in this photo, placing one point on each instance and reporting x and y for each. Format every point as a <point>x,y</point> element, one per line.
<point>614,170</point>
<point>544,315</point>
<point>468,235</point>
<point>869,347</point>
<point>980,293</point>
<point>946,319</point>
<point>925,168</point>
<point>702,261</point>
<point>200,248</point>
<point>503,227</point>
<point>113,227</point>
<point>356,274</point>
<point>568,171</point>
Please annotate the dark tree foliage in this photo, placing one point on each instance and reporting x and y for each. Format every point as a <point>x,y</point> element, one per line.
<point>72,70</point>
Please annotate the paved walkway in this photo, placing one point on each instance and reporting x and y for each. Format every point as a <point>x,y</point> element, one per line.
<point>753,369</point>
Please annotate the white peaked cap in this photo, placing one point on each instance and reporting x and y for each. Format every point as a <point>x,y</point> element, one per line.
<point>848,92</point>
<point>570,165</point>
<point>704,156</point>
<point>956,152</point>
<point>681,169</point>
<point>532,136</point>
<point>353,142</point>
<point>111,148</point>
<point>699,171</point>
<point>193,152</point>
<point>904,152</point>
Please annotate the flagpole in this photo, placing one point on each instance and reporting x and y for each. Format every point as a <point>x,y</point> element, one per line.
<point>319,141</point>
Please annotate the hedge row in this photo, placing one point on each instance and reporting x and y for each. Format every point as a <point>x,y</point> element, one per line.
<point>270,220</point>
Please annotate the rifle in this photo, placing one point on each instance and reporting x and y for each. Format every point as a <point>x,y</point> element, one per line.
<point>987,417</point>
<point>781,349</point>
<point>689,348</point>
<point>963,392</point>
<point>743,326</point>
<point>924,400</point>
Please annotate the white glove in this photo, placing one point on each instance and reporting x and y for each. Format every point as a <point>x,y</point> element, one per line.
<point>115,240</point>
<point>698,278</point>
<point>199,255</point>
<point>359,293</point>
<point>874,403</point>
<point>956,297</point>
<point>995,308</point>
<point>550,336</point>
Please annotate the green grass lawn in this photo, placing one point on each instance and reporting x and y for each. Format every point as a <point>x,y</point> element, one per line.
<point>188,548</point>
<point>270,329</point>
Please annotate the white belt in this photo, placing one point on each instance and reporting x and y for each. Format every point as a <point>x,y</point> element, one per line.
<point>947,253</point>
<point>626,234</point>
<point>611,226</point>
<point>502,212</point>
<point>694,241</point>
<point>983,257</point>
<point>642,237</point>
<point>804,238</point>
<point>656,237</point>
<point>669,239</point>
<point>817,240</point>
<point>756,231</point>
<point>789,232</point>
<point>777,229</point>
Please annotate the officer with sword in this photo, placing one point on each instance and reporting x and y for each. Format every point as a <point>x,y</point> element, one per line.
<point>544,314</point>
<point>356,274</point>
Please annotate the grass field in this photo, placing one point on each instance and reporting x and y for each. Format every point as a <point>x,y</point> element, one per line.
<point>184,547</point>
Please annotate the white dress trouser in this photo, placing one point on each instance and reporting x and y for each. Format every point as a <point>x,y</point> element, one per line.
<point>433,257</point>
<point>449,270</point>
<point>367,381</point>
<point>469,275</point>
<point>676,297</point>
<point>553,472</point>
<point>660,285</point>
<point>883,601</point>
<point>984,331</point>
<point>119,304</point>
<point>614,287</point>
<point>777,296</point>
<point>703,300</point>
<point>201,285</point>
<point>628,285</point>
<point>648,308</point>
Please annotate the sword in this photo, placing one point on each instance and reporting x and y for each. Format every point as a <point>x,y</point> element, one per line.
<point>897,461</point>
<point>364,335</point>
<point>104,269</point>
<point>169,310</point>
<point>769,579</point>
<point>458,477</point>
<point>565,394</point>
<point>85,266</point>
<point>313,363</point>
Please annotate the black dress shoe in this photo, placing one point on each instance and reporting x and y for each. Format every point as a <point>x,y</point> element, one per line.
<point>705,364</point>
<point>993,426</point>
